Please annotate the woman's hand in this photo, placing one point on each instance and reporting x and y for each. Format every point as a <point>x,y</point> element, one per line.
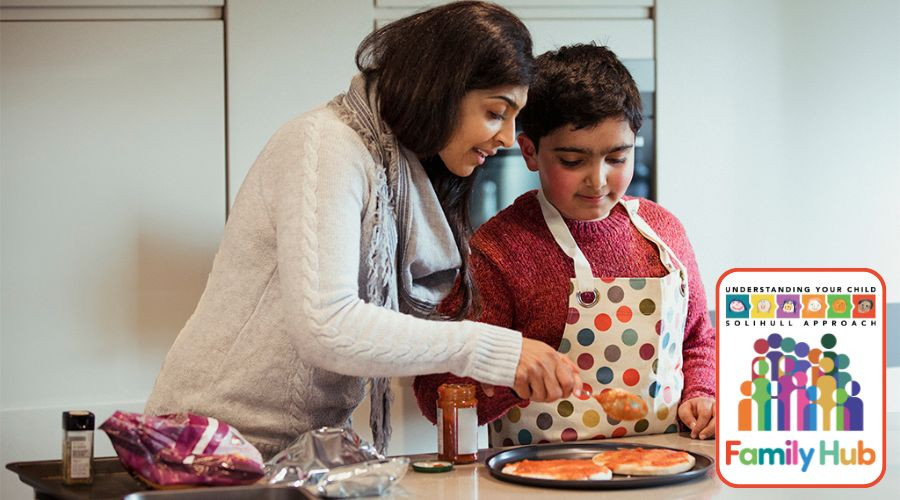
<point>545,375</point>
<point>699,414</point>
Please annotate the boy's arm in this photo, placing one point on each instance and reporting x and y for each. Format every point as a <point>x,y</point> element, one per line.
<point>497,309</point>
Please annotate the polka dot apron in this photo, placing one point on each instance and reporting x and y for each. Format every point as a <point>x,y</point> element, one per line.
<point>622,333</point>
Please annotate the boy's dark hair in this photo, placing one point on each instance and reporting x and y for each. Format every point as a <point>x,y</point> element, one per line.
<point>579,85</point>
<point>421,67</point>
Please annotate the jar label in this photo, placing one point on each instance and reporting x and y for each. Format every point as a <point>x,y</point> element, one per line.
<point>80,444</point>
<point>467,421</point>
<point>440,421</point>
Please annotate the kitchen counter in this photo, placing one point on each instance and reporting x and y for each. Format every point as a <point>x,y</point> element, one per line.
<point>475,481</point>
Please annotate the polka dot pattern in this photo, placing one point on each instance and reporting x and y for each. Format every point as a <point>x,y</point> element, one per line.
<point>611,353</point>
<point>585,361</point>
<point>662,413</point>
<point>631,332</point>
<point>631,377</point>
<point>590,418</point>
<point>647,307</point>
<point>585,337</point>
<point>524,436</point>
<point>565,408</point>
<point>603,322</point>
<point>604,375</point>
<point>544,421</point>
<point>641,425</point>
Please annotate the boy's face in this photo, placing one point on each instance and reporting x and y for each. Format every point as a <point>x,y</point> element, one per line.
<point>583,172</point>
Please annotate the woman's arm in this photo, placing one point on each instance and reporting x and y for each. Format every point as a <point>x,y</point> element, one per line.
<point>498,308</point>
<point>315,184</point>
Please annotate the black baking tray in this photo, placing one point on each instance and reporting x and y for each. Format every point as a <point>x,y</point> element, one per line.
<point>111,480</point>
<point>496,462</point>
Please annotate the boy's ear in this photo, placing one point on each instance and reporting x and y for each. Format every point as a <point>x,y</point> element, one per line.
<point>529,152</point>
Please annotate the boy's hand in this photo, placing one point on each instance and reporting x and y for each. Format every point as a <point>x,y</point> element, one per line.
<point>699,414</point>
<point>545,375</point>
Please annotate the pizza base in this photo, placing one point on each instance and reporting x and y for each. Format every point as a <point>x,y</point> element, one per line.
<point>645,462</point>
<point>560,470</point>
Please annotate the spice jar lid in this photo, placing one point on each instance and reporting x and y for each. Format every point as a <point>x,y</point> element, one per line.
<point>78,420</point>
<point>432,466</point>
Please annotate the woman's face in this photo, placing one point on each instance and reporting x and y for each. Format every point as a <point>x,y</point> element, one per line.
<point>487,121</point>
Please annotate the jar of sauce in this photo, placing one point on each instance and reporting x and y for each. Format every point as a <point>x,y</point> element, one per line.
<point>457,420</point>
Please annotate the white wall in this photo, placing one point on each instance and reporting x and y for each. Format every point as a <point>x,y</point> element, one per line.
<point>112,143</point>
<point>284,58</point>
<point>778,132</point>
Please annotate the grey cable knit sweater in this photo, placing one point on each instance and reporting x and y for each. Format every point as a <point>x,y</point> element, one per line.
<point>281,341</point>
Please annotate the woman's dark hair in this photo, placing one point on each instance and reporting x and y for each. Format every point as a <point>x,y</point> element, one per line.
<point>579,85</point>
<point>421,67</point>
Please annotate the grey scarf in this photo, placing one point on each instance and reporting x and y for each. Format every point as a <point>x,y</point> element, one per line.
<point>411,244</point>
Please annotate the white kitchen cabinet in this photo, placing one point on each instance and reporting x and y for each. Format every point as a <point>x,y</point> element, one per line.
<point>285,57</point>
<point>526,3</point>
<point>112,146</point>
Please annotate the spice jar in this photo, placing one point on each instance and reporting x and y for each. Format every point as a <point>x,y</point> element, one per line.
<point>458,420</point>
<point>78,447</point>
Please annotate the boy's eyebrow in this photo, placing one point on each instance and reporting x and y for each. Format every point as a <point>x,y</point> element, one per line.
<point>588,151</point>
<point>508,100</point>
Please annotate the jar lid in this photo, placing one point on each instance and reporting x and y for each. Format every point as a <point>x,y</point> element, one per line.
<point>461,391</point>
<point>78,420</point>
<point>432,466</point>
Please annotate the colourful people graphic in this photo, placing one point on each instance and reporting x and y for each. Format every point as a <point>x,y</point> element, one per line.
<point>813,306</point>
<point>864,306</point>
<point>762,306</point>
<point>788,306</point>
<point>738,306</point>
<point>792,385</point>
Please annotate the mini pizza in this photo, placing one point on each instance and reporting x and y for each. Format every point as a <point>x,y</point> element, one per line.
<point>645,462</point>
<point>622,405</point>
<point>567,469</point>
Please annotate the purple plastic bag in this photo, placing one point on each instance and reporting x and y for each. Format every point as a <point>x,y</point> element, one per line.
<point>182,450</point>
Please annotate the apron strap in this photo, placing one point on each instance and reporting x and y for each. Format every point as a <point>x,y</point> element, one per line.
<point>666,255</point>
<point>584,276</point>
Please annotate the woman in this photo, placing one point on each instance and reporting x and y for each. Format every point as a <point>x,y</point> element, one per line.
<point>349,229</point>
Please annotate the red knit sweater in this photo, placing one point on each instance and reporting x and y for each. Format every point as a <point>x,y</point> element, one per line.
<point>523,277</point>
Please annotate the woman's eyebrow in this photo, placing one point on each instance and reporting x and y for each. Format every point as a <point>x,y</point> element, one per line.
<point>508,100</point>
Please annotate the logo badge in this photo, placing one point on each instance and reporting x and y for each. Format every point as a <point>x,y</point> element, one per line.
<point>802,401</point>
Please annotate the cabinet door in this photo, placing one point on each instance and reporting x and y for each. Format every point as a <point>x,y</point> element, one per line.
<point>628,38</point>
<point>113,202</point>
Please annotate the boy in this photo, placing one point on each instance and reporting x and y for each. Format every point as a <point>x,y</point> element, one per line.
<point>578,133</point>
